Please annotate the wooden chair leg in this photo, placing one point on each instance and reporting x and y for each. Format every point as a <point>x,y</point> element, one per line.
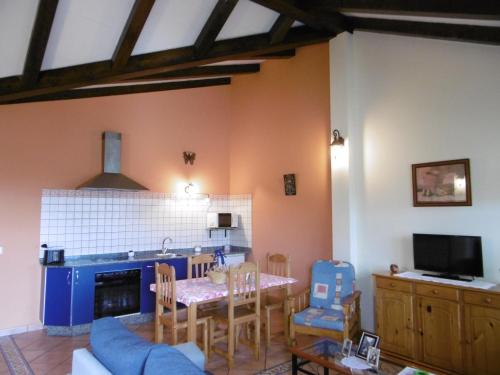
<point>291,338</point>
<point>230,346</point>
<point>286,321</point>
<point>211,336</point>
<point>237,337</point>
<point>205,339</point>
<point>158,330</point>
<point>257,338</point>
<point>174,334</point>
<point>268,327</point>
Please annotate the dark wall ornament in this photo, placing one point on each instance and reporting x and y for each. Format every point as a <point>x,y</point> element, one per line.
<point>289,180</point>
<point>189,157</point>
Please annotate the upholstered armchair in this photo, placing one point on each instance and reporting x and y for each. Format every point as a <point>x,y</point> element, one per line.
<point>331,307</point>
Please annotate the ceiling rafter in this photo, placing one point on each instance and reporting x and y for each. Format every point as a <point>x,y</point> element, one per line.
<point>63,79</point>
<point>213,26</point>
<point>457,32</point>
<point>39,39</point>
<point>280,28</point>
<point>286,54</point>
<point>202,71</point>
<point>135,22</point>
<point>125,90</point>
<point>479,9</point>
<point>333,22</point>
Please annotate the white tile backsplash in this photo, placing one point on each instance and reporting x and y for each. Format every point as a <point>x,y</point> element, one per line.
<point>97,222</point>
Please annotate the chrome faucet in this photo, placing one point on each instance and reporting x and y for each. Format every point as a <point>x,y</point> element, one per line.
<point>164,249</point>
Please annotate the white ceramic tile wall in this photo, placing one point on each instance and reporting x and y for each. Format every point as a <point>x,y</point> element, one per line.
<point>97,222</point>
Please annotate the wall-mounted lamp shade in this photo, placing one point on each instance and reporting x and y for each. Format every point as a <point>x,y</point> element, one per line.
<point>338,140</point>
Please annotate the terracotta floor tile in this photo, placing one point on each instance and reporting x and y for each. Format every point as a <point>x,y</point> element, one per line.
<point>52,355</point>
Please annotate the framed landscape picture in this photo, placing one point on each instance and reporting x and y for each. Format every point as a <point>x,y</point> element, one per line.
<point>442,183</point>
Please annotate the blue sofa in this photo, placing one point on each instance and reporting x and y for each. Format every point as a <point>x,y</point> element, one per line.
<point>116,350</point>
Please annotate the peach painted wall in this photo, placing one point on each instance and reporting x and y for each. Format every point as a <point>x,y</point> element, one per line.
<point>281,124</point>
<point>58,145</point>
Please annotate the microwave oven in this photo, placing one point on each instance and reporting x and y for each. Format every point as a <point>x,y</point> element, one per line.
<point>222,220</point>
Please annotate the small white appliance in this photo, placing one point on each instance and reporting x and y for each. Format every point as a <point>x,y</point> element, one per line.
<point>222,220</point>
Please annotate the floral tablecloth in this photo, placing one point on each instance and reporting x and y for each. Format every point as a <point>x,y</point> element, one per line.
<point>201,290</point>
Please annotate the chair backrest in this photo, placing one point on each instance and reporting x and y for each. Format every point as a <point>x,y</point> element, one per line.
<point>280,265</point>
<point>199,264</point>
<point>244,286</point>
<point>331,282</point>
<point>165,288</point>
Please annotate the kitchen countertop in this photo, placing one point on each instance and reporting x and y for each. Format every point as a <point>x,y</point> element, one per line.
<point>140,256</point>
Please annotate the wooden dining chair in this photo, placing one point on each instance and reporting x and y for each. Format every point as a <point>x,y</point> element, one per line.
<point>166,308</point>
<point>243,308</point>
<point>199,264</point>
<point>278,265</point>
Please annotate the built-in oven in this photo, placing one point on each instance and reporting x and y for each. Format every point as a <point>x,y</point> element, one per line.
<point>117,293</point>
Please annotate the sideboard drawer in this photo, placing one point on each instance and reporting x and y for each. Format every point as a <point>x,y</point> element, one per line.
<point>385,283</point>
<point>437,291</point>
<point>482,299</point>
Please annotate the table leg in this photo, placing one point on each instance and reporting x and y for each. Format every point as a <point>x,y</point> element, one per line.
<point>191,328</point>
<point>325,371</point>
<point>295,366</point>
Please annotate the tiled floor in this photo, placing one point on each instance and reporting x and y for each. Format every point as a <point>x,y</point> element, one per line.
<point>52,355</point>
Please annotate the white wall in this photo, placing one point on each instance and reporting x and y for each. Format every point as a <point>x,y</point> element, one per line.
<point>412,100</point>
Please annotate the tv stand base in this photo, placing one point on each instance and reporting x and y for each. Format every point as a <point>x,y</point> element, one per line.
<point>446,276</point>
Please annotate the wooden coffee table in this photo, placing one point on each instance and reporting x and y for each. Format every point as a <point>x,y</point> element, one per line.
<point>327,353</point>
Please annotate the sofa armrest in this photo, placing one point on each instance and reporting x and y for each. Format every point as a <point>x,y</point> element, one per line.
<point>84,363</point>
<point>299,301</point>
<point>194,353</point>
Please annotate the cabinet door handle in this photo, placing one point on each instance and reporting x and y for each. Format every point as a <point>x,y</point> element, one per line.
<point>68,278</point>
<point>393,285</point>
<point>487,300</point>
<point>149,266</point>
<point>435,291</point>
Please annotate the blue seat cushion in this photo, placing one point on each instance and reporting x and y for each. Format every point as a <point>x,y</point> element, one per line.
<point>167,360</point>
<point>332,281</point>
<point>119,350</point>
<point>320,318</point>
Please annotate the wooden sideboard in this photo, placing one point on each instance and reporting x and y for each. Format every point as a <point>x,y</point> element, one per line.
<point>448,328</point>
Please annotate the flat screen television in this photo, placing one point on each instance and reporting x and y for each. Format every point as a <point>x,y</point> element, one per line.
<point>450,256</point>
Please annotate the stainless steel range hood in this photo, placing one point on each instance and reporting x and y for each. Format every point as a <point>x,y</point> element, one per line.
<point>111,178</point>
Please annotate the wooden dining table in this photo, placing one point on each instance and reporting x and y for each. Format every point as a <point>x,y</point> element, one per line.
<point>193,292</point>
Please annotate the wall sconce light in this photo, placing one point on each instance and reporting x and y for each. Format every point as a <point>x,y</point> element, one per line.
<point>190,189</point>
<point>339,150</point>
<point>189,157</point>
<point>338,140</point>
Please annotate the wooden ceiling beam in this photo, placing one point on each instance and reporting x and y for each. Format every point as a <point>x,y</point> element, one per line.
<point>38,42</point>
<point>131,32</point>
<point>464,33</point>
<point>63,79</point>
<point>202,71</point>
<point>332,21</point>
<point>124,90</point>
<point>213,26</point>
<point>287,54</point>
<point>280,29</point>
<point>479,9</point>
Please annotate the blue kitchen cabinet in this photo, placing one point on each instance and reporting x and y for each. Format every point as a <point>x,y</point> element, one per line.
<point>83,295</point>
<point>57,302</point>
<point>148,278</point>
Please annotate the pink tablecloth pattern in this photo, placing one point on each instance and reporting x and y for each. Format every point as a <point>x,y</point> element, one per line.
<point>201,290</point>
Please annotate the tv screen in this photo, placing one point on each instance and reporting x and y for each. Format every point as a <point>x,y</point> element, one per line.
<point>451,255</point>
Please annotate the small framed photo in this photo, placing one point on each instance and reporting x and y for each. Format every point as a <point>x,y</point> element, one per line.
<point>367,340</point>
<point>373,357</point>
<point>346,348</point>
<point>442,183</point>
<point>289,180</point>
